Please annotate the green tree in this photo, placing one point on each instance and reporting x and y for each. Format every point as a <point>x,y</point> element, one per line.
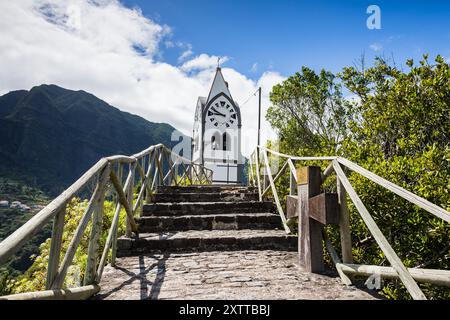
<point>403,135</point>
<point>309,113</point>
<point>397,125</point>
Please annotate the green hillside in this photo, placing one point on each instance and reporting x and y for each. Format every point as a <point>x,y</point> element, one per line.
<point>50,136</point>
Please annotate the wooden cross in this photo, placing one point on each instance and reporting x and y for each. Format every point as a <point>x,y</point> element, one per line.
<point>314,210</point>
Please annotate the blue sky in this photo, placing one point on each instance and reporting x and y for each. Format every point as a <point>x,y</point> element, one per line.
<point>284,35</point>
<point>91,45</point>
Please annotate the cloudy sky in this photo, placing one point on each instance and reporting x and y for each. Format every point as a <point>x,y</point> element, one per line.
<point>154,58</point>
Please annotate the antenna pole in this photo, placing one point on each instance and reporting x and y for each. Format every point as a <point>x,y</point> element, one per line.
<point>259,117</point>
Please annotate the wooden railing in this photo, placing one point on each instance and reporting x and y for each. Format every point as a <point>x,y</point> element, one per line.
<point>148,169</point>
<point>260,175</point>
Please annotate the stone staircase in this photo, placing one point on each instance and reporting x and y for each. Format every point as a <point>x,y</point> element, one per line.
<point>213,242</point>
<point>207,218</point>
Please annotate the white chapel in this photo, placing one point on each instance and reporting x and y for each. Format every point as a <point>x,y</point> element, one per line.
<point>217,133</point>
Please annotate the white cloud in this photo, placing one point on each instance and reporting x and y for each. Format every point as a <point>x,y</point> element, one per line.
<point>376,46</point>
<point>110,50</point>
<point>202,62</point>
<point>186,53</point>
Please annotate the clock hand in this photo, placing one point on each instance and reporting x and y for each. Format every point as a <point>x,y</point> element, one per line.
<point>217,112</point>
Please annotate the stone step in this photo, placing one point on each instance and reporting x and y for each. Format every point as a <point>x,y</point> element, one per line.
<point>194,241</point>
<point>227,196</point>
<point>234,221</point>
<point>206,189</point>
<point>202,208</point>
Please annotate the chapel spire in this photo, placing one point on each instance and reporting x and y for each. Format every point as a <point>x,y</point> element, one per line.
<point>219,85</point>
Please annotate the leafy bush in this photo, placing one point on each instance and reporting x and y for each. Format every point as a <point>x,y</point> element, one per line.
<point>34,278</point>
<point>397,125</point>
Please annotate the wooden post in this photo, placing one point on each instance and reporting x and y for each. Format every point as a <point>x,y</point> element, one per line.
<point>292,184</point>
<point>130,198</point>
<point>111,242</point>
<point>159,177</point>
<point>151,166</point>
<point>258,174</point>
<point>344,224</point>
<point>80,293</point>
<point>274,192</point>
<point>114,247</point>
<point>70,253</point>
<point>265,178</point>
<point>120,176</point>
<point>55,247</point>
<point>143,178</point>
<point>114,235</point>
<point>388,251</point>
<point>94,245</point>
<point>310,244</point>
<point>176,172</point>
<point>292,178</point>
<point>250,171</point>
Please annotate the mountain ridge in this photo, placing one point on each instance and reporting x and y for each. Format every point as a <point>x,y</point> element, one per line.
<point>51,135</point>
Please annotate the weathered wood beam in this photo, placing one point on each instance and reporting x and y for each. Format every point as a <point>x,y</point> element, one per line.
<point>113,240</point>
<point>258,174</point>
<point>291,207</point>
<point>160,171</point>
<point>336,260</point>
<point>280,172</point>
<point>144,177</point>
<point>55,248</point>
<point>81,293</point>
<point>15,241</point>
<point>432,276</point>
<point>344,223</point>
<point>327,172</point>
<point>112,236</point>
<point>94,241</point>
<point>147,151</point>
<point>252,178</point>
<point>411,197</point>
<point>296,158</point>
<point>70,253</point>
<point>324,208</point>
<point>275,194</point>
<point>310,244</point>
<point>150,191</point>
<point>390,254</point>
<point>129,194</point>
<point>170,173</point>
<point>123,200</point>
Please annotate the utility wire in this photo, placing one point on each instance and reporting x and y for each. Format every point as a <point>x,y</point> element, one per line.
<point>249,98</point>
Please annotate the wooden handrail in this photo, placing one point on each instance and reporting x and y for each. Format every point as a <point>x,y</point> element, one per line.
<point>275,194</point>
<point>405,194</point>
<point>407,276</point>
<point>390,254</point>
<point>15,241</point>
<point>81,293</point>
<point>104,173</point>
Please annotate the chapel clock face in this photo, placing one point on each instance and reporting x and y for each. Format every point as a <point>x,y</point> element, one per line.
<point>222,113</point>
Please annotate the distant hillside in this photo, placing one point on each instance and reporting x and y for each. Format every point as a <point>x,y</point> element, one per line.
<point>50,135</point>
